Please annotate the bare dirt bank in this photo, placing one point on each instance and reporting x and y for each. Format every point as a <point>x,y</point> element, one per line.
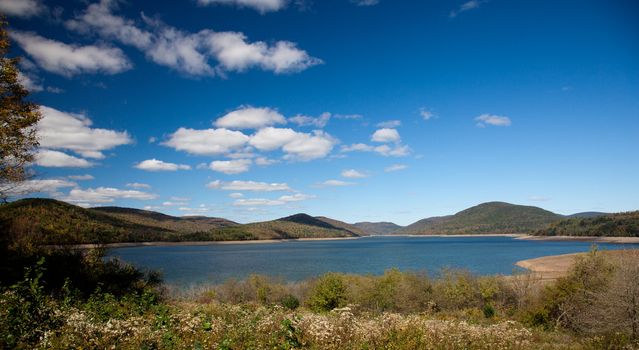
<point>581,239</point>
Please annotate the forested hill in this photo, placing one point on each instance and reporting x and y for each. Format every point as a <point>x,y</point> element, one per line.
<point>618,225</point>
<point>491,217</point>
<point>48,221</point>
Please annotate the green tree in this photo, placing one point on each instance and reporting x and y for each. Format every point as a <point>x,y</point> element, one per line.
<point>18,117</point>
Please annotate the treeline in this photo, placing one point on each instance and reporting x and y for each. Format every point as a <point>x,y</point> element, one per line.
<point>609,225</point>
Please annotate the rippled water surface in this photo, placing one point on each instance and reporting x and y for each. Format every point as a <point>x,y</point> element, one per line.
<point>297,260</point>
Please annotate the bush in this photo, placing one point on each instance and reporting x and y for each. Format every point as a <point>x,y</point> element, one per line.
<point>290,302</point>
<point>328,293</point>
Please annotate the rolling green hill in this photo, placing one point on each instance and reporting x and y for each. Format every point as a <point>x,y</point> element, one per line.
<point>377,228</point>
<point>47,221</point>
<point>491,217</point>
<point>294,226</point>
<point>619,225</point>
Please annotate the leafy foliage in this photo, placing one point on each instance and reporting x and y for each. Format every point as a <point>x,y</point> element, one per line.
<point>492,217</point>
<point>609,225</point>
<point>17,120</point>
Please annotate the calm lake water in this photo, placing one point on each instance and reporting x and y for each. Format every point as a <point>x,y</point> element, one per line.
<point>297,260</point>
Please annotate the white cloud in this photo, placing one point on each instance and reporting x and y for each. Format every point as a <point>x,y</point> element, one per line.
<point>73,132</point>
<point>303,120</point>
<point>56,159</point>
<point>386,135</point>
<point>353,174</point>
<point>138,185</point>
<point>51,186</point>
<point>250,118</point>
<point>309,146</point>
<point>270,138</point>
<point>348,116</point>
<point>296,145</point>
<point>263,161</point>
<point>234,53</point>
<point>252,202</point>
<point>22,8</point>
<point>389,124</point>
<point>207,142</point>
<point>252,186</point>
<point>426,114</point>
<point>397,150</point>
<point>365,2</point>
<point>469,5</point>
<point>491,119</point>
<point>260,5</point>
<point>81,177</point>
<point>105,195</point>
<point>173,204</point>
<point>69,60</point>
<point>335,183</point>
<point>192,53</point>
<point>235,166</point>
<point>158,165</point>
<point>29,82</point>
<point>236,195</point>
<point>395,167</point>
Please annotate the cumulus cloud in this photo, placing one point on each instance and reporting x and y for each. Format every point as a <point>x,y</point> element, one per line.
<point>335,183</point>
<point>71,131</point>
<point>158,165</point>
<point>303,120</point>
<point>192,53</point>
<point>105,195</point>
<point>235,166</point>
<point>395,167</point>
<point>236,195</point>
<point>260,5</point>
<point>397,150</point>
<point>29,82</point>
<point>491,119</point>
<point>389,124</point>
<point>207,142</point>
<point>252,186</point>
<point>250,118</point>
<point>426,114</point>
<point>81,177</point>
<point>22,8</point>
<point>386,135</point>
<point>68,60</point>
<point>253,202</point>
<point>468,5</point>
<point>296,145</point>
<point>353,174</point>
<point>138,185</point>
<point>50,186</point>
<point>56,159</point>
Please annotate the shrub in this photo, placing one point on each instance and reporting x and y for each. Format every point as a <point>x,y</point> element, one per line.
<point>328,293</point>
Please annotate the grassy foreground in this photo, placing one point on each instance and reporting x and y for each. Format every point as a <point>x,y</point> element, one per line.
<point>97,304</point>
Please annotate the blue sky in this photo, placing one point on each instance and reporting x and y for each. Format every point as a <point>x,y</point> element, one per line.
<point>357,110</point>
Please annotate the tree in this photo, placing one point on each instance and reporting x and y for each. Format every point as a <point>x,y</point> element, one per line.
<point>18,117</point>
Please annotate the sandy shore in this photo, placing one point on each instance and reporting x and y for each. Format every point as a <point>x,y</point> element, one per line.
<point>551,267</point>
<point>581,239</point>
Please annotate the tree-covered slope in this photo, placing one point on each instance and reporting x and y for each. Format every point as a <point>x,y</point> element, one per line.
<point>491,217</point>
<point>618,225</point>
<point>377,228</point>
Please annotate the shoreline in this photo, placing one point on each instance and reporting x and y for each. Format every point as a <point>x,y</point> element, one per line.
<point>594,239</point>
<point>522,236</point>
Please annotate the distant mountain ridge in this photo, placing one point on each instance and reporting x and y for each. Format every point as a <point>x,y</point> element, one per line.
<point>491,217</point>
<point>48,221</point>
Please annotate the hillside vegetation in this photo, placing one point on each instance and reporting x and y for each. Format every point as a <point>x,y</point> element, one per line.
<point>295,226</point>
<point>48,221</point>
<point>613,225</point>
<point>377,228</point>
<point>491,217</point>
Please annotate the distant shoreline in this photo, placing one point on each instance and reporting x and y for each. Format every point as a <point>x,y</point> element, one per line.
<point>620,240</point>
